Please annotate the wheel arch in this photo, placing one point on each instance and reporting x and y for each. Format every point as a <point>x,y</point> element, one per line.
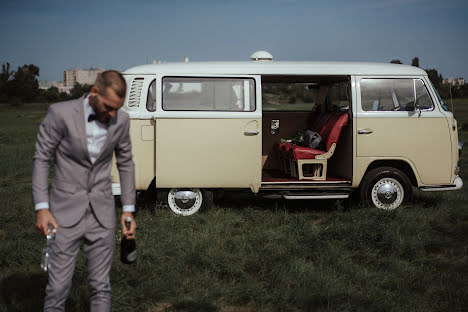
<point>400,164</point>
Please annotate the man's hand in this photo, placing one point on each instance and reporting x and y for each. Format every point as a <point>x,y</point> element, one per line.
<point>44,218</point>
<point>129,234</point>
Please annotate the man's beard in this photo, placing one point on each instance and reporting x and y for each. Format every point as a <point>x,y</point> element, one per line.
<point>100,116</point>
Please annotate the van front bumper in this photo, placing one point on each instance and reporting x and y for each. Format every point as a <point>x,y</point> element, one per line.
<point>457,184</point>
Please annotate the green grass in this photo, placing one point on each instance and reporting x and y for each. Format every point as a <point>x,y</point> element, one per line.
<point>248,254</point>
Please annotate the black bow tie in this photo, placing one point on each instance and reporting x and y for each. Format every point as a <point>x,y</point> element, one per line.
<point>92,117</point>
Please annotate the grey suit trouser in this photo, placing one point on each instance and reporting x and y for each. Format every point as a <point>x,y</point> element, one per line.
<point>98,249</point>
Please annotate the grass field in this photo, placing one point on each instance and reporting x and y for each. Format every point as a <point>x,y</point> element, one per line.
<point>246,254</point>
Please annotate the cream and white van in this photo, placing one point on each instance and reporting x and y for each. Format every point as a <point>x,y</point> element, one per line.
<point>202,127</point>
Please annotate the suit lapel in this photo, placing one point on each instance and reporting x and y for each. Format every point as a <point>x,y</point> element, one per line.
<point>80,125</point>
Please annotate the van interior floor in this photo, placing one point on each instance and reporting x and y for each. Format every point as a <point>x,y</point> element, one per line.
<point>271,176</point>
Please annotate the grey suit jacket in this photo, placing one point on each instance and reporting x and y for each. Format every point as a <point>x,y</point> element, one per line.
<point>77,182</point>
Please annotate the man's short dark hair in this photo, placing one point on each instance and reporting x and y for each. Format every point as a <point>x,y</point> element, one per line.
<point>112,79</point>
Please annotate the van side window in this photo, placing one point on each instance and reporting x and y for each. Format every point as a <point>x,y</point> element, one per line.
<point>394,94</point>
<point>208,94</point>
<point>306,94</point>
<point>423,100</point>
<point>151,98</point>
<point>288,96</point>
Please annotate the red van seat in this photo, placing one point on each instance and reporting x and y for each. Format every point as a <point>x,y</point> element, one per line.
<point>301,152</point>
<point>284,147</point>
<point>330,134</point>
<point>330,129</point>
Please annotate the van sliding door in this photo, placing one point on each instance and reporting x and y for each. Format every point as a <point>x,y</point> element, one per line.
<point>208,132</point>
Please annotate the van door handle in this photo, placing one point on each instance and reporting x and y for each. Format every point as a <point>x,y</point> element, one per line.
<point>250,133</point>
<point>365,131</point>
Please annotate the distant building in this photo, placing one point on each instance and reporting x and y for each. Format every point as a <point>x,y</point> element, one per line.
<point>456,82</point>
<point>82,76</point>
<point>62,88</point>
<point>72,77</point>
<point>46,84</point>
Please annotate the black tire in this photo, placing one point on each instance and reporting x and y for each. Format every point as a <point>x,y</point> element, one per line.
<point>386,188</point>
<point>208,200</point>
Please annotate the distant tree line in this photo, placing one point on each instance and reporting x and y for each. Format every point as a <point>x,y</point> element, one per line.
<point>437,80</point>
<point>22,86</point>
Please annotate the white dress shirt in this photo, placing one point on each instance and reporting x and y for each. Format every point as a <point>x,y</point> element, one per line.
<point>96,135</point>
<point>96,132</point>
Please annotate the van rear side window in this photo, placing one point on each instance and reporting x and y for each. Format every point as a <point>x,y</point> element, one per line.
<point>151,97</point>
<point>208,94</point>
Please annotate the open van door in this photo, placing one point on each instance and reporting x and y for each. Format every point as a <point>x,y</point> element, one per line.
<point>208,132</point>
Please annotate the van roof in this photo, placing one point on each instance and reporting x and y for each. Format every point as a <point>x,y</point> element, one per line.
<point>276,68</point>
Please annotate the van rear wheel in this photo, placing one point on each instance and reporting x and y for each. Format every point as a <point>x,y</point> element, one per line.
<point>188,201</point>
<point>386,188</point>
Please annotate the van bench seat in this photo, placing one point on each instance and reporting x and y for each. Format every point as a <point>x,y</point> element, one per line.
<point>330,133</point>
<point>329,127</point>
<point>302,152</point>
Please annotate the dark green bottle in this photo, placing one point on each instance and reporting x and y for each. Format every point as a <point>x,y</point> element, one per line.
<point>128,253</point>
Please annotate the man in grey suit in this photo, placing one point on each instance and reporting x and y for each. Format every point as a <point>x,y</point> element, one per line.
<point>81,136</point>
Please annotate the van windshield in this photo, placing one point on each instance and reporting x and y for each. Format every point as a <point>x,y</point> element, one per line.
<point>442,103</point>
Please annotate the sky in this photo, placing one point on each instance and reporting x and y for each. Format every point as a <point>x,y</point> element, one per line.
<point>57,35</point>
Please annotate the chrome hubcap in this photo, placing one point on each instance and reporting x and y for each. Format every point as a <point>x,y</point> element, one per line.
<point>387,194</point>
<point>185,201</point>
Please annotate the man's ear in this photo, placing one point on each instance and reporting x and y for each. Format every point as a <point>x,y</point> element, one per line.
<point>94,90</point>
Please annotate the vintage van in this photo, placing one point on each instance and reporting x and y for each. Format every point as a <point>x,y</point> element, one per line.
<point>199,128</point>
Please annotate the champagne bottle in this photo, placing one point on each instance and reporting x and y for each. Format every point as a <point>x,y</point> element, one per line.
<point>128,252</point>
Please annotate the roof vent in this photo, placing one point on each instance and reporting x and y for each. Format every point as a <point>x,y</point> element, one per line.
<point>261,56</point>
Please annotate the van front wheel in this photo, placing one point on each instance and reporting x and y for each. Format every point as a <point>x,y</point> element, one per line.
<point>386,188</point>
<point>187,201</point>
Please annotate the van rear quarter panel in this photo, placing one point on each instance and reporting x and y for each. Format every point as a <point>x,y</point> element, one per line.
<point>143,151</point>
